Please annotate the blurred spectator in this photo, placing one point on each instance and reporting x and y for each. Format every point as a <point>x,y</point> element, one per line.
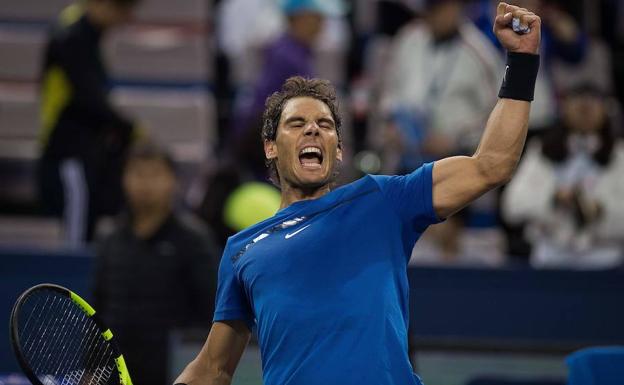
<point>570,56</point>
<point>83,137</point>
<point>263,23</point>
<point>568,188</point>
<point>157,271</point>
<point>440,85</point>
<point>394,14</point>
<point>610,23</point>
<point>290,54</point>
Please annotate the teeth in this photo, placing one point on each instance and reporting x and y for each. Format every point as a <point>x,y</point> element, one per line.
<point>308,150</point>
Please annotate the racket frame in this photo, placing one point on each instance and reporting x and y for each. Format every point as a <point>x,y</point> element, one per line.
<point>106,333</point>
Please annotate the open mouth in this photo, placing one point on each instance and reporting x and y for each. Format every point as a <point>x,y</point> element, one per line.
<point>311,158</point>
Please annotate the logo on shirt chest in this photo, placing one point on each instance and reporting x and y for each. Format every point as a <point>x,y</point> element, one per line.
<point>284,225</point>
<point>290,235</point>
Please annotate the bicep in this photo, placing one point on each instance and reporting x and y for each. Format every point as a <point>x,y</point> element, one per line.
<point>457,181</point>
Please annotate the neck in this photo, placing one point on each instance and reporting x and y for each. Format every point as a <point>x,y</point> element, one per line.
<point>146,223</point>
<point>291,194</point>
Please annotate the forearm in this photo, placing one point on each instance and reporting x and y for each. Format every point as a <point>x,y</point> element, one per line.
<point>501,145</point>
<point>216,362</point>
<point>459,180</point>
<point>197,373</point>
<point>503,140</point>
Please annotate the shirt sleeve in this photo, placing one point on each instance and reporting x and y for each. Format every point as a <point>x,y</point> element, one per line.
<point>410,196</point>
<point>232,302</point>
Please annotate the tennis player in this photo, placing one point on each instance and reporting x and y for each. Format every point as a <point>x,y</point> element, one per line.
<point>324,280</point>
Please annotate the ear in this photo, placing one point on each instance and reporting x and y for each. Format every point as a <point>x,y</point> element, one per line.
<point>339,153</point>
<point>270,149</point>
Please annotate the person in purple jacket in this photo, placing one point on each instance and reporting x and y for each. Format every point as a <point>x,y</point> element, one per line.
<point>291,54</point>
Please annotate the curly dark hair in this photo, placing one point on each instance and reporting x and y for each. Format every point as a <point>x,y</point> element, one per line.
<point>295,87</point>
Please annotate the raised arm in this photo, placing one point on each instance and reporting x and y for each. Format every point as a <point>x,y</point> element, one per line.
<point>459,180</point>
<point>216,362</point>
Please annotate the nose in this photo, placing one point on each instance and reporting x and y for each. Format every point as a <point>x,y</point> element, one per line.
<point>311,129</point>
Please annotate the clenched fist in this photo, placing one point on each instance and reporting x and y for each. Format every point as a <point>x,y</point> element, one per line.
<point>517,42</point>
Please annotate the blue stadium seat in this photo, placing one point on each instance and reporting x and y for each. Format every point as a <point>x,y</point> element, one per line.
<point>597,366</point>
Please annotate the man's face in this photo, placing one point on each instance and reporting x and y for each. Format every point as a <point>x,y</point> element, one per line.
<point>306,147</point>
<point>149,184</point>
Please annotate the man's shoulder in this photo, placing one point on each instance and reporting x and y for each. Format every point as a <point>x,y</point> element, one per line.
<point>363,185</point>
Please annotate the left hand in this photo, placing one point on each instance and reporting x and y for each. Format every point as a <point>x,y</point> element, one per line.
<point>512,41</point>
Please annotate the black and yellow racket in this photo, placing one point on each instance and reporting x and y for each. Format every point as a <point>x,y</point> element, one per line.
<point>58,339</point>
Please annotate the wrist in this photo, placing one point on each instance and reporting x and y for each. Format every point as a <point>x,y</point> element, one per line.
<point>520,76</point>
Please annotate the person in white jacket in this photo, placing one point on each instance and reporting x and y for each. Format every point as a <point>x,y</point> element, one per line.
<point>439,64</point>
<point>569,189</point>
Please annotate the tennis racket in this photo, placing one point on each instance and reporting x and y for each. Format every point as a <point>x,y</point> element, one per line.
<point>58,339</point>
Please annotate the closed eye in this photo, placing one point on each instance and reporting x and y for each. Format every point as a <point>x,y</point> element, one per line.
<point>295,122</point>
<point>326,123</point>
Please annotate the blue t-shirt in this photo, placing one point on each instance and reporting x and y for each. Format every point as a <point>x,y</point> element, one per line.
<point>325,282</point>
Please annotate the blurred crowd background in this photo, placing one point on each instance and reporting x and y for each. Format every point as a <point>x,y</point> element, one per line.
<point>417,80</point>
<point>130,130</point>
